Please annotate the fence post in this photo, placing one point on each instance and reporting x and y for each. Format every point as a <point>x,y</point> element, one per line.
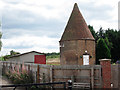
<point>106,72</point>
<point>6,64</point>
<point>3,68</point>
<point>92,77</point>
<point>6,67</point>
<point>20,67</point>
<point>38,74</point>
<point>44,81</point>
<point>51,73</point>
<point>28,68</point>
<point>73,78</point>
<point>10,65</point>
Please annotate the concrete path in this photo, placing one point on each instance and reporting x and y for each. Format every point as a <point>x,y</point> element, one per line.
<point>4,81</point>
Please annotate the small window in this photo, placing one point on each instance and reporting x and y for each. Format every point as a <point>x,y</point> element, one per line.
<point>62,45</point>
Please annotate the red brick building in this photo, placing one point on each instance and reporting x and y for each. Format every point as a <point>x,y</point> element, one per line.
<point>77,45</point>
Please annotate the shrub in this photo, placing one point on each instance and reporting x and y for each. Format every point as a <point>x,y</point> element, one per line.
<point>20,78</point>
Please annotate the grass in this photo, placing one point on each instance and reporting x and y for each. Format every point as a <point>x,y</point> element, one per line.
<point>53,61</point>
<point>52,56</point>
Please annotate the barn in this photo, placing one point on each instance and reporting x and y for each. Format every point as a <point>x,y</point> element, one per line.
<point>29,57</point>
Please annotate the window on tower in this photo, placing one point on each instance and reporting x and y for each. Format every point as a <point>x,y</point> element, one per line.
<point>62,45</point>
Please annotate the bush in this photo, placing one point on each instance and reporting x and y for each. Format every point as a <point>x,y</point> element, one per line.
<point>20,78</point>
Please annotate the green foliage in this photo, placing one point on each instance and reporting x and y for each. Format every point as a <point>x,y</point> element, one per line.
<point>102,50</point>
<point>92,31</point>
<point>2,58</point>
<point>114,38</point>
<point>109,44</point>
<point>111,38</point>
<point>52,55</point>
<point>100,33</point>
<point>12,53</point>
<point>5,57</point>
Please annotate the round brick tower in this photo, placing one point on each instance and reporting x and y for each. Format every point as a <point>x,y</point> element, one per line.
<point>77,45</point>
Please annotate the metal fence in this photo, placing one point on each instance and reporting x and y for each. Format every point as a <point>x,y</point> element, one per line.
<point>35,86</point>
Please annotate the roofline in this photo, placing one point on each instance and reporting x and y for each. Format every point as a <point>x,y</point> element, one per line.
<point>76,27</point>
<point>25,53</point>
<point>77,39</point>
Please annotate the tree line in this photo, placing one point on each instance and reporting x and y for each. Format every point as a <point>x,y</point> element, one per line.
<point>107,43</point>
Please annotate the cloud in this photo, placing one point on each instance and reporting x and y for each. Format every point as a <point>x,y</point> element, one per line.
<point>100,13</point>
<point>46,9</point>
<point>13,33</point>
<point>18,22</point>
<point>25,14</point>
<point>31,43</point>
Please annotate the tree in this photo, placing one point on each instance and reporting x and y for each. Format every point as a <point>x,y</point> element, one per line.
<point>0,40</point>
<point>13,53</point>
<point>114,38</point>
<point>100,33</point>
<point>108,43</point>
<point>102,50</point>
<point>92,31</point>
<point>116,47</point>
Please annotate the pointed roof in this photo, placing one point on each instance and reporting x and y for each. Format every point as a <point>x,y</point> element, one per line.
<point>76,27</point>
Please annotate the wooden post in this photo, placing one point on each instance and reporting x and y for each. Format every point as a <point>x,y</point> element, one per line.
<point>20,67</point>
<point>38,75</point>
<point>28,68</point>
<point>72,78</point>
<point>15,67</point>
<point>6,67</point>
<point>92,77</point>
<point>6,64</point>
<point>10,65</point>
<point>3,68</point>
<point>44,78</point>
<point>51,73</point>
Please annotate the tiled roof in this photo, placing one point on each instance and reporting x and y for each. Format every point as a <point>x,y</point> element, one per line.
<point>76,27</point>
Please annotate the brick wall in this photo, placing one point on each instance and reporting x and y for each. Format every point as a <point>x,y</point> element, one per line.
<point>106,72</point>
<point>72,52</point>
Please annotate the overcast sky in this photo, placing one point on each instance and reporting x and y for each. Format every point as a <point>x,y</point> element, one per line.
<point>38,24</point>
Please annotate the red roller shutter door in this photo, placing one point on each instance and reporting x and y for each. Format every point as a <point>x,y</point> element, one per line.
<point>40,59</point>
